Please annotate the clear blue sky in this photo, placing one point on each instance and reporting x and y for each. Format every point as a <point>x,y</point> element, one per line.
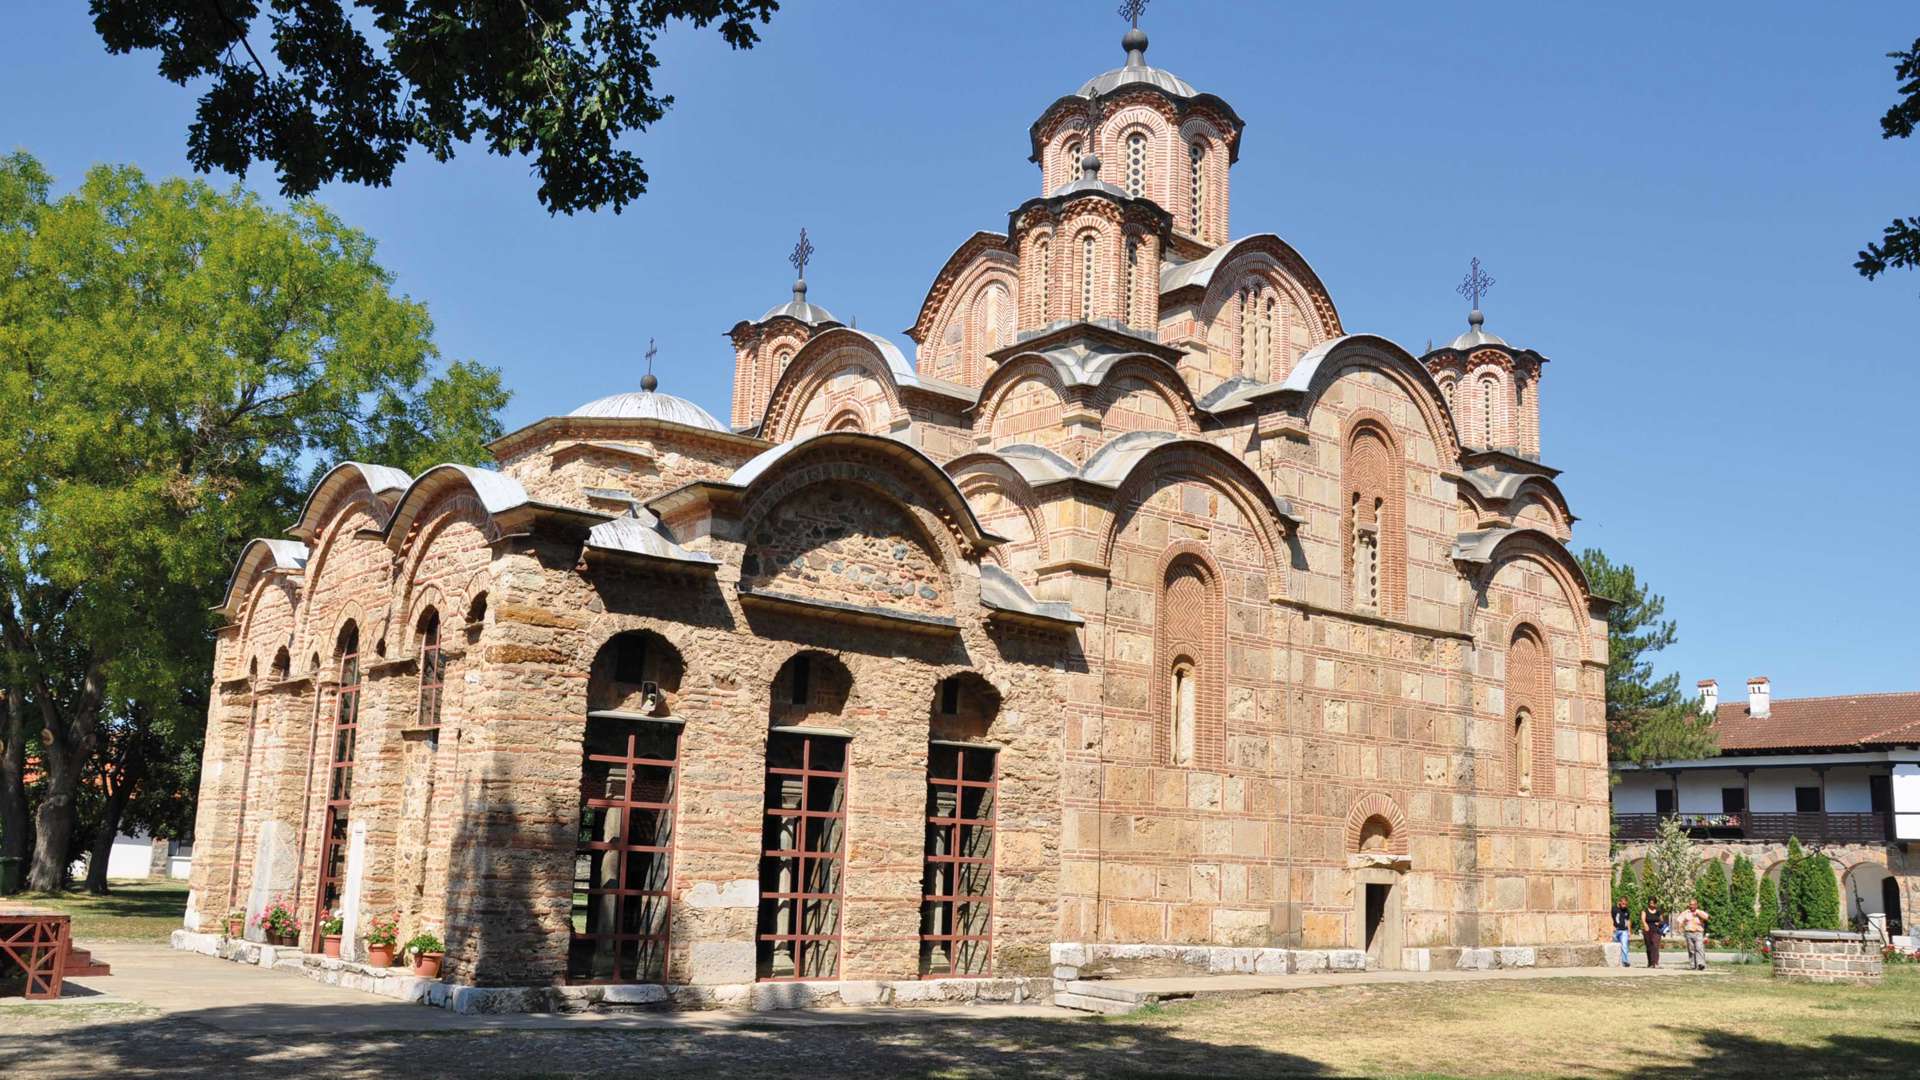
<point>1669,196</point>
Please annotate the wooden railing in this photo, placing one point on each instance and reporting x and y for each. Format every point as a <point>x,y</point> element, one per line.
<point>1814,827</point>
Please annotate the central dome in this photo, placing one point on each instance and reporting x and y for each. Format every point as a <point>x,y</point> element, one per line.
<point>649,405</point>
<point>1136,71</point>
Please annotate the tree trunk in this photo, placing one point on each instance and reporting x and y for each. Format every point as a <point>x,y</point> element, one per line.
<point>118,796</point>
<point>16,824</point>
<point>53,822</point>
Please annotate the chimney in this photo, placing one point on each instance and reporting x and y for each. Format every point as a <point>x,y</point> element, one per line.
<point>1759,697</point>
<point>1709,695</point>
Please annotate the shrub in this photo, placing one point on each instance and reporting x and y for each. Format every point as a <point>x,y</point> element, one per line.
<point>278,918</point>
<point>1809,891</point>
<point>1672,866</point>
<point>422,943</point>
<point>332,922</point>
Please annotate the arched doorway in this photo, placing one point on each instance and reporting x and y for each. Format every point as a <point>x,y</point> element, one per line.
<point>1872,897</point>
<point>623,862</point>
<point>1378,846</point>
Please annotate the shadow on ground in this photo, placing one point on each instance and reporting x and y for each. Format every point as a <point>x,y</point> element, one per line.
<point>1743,1057</point>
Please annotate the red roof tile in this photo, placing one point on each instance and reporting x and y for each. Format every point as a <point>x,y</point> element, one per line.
<point>1843,722</point>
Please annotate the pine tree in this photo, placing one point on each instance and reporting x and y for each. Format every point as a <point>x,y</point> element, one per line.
<point>1741,917</point>
<point>1710,888</point>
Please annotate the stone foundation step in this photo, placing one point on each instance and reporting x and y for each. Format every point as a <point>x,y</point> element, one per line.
<point>1114,999</point>
<point>82,965</point>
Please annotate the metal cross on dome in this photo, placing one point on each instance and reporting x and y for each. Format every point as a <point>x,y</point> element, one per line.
<point>802,252</point>
<point>651,350</point>
<point>1131,11</point>
<point>1475,284</point>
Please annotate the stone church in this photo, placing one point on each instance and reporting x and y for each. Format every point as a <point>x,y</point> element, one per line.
<point>1143,613</point>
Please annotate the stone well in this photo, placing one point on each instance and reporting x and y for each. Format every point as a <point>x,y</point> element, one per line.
<point>1825,956</point>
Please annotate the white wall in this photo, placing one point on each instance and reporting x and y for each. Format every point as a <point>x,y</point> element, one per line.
<point>131,857</point>
<point>1770,790</point>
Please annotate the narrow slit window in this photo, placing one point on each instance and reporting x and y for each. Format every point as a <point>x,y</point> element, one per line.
<point>1086,277</point>
<point>800,857</point>
<point>1197,153</point>
<point>346,731</point>
<point>1137,164</point>
<point>1133,273</point>
<point>433,671</point>
<point>956,909</point>
<point>1046,280</point>
<point>623,862</point>
<point>1182,705</point>
<point>1074,172</point>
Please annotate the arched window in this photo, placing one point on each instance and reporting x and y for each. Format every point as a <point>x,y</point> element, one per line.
<point>1181,705</point>
<point>1523,751</point>
<point>1269,314</point>
<point>1044,250</point>
<point>1086,276</point>
<point>1366,551</point>
<point>1187,622</point>
<point>282,665</point>
<point>1487,410</point>
<point>1133,272</point>
<point>433,672</point>
<point>956,910</point>
<point>1197,153</point>
<point>804,817</point>
<point>1373,511</point>
<point>1073,155</point>
<point>781,359</point>
<point>346,730</point>
<point>1249,331</point>
<point>1137,164</point>
<point>477,610</point>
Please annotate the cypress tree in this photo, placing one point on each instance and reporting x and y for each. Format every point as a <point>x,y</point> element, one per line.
<point>1742,893</point>
<point>1768,919</point>
<point>1792,900</point>
<point>1823,893</point>
<point>1711,890</point>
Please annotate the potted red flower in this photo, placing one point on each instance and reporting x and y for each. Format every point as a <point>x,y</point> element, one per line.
<point>427,952</point>
<point>330,925</point>
<point>382,932</point>
<point>236,924</point>
<point>278,922</point>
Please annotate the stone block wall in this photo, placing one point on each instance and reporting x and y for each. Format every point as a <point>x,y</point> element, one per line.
<point>1825,956</point>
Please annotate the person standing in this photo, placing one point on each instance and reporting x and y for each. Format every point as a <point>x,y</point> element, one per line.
<point>1623,929</point>
<point>1651,921</point>
<point>1693,923</point>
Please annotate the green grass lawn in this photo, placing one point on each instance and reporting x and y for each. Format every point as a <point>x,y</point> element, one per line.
<point>132,911</point>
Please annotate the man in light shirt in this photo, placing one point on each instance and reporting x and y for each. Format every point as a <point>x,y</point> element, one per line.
<point>1693,923</point>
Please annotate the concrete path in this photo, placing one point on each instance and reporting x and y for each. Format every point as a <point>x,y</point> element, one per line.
<point>1117,996</point>
<point>245,1000</point>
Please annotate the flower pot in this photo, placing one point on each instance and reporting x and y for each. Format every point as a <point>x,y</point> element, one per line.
<point>379,956</point>
<point>427,965</point>
<point>330,945</point>
<point>237,928</point>
<point>276,937</point>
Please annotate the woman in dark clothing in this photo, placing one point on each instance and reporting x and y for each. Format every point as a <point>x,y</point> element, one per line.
<point>1651,920</point>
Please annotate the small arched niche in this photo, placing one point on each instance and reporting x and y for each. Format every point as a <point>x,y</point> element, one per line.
<point>811,688</point>
<point>282,665</point>
<point>637,672</point>
<point>964,708</point>
<point>1376,834</point>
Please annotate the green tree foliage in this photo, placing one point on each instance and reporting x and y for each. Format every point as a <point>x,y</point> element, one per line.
<point>1742,894</point>
<point>1710,888</point>
<point>1647,718</point>
<point>176,364</point>
<point>1672,866</point>
<point>345,89</point>
<point>1809,891</point>
<point>1768,918</point>
<point>1899,245</point>
<point>1626,887</point>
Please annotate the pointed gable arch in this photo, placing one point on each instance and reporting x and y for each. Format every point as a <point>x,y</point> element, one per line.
<point>840,355</point>
<point>1138,464</point>
<point>1004,501</point>
<point>1494,549</point>
<point>1211,279</point>
<point>377,485</point>
<point>952,333</point>
<point>259,559</point>
<point>1320,367</point>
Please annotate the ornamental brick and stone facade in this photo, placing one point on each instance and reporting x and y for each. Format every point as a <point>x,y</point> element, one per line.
<point>1145,606</point>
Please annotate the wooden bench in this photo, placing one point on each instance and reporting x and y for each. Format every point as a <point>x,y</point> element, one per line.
<point>40,943</point>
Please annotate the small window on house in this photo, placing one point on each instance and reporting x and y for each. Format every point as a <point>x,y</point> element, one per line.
<point>282,666</point>
<point>1045,252</point>
<point>1197,153</point>
<point>477,611</point>
<point>1182,709</point>
<point>949,697</point>
<point>1806,800</point>
<point>1880,794</point>
<point>1133,271</point>
<point>1523,751</point>
<point>1072,152</point>
<point>1663,801</point>
<point>1137,164</point>
<point>1733,800</point>
<point>1366,552</point>
<point>1486,412</point>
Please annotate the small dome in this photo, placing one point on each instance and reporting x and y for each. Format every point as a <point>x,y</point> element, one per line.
<point>1476,336</point>
<point>799,308</point>
<point>1136,71</point>
<point>650,405</point>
